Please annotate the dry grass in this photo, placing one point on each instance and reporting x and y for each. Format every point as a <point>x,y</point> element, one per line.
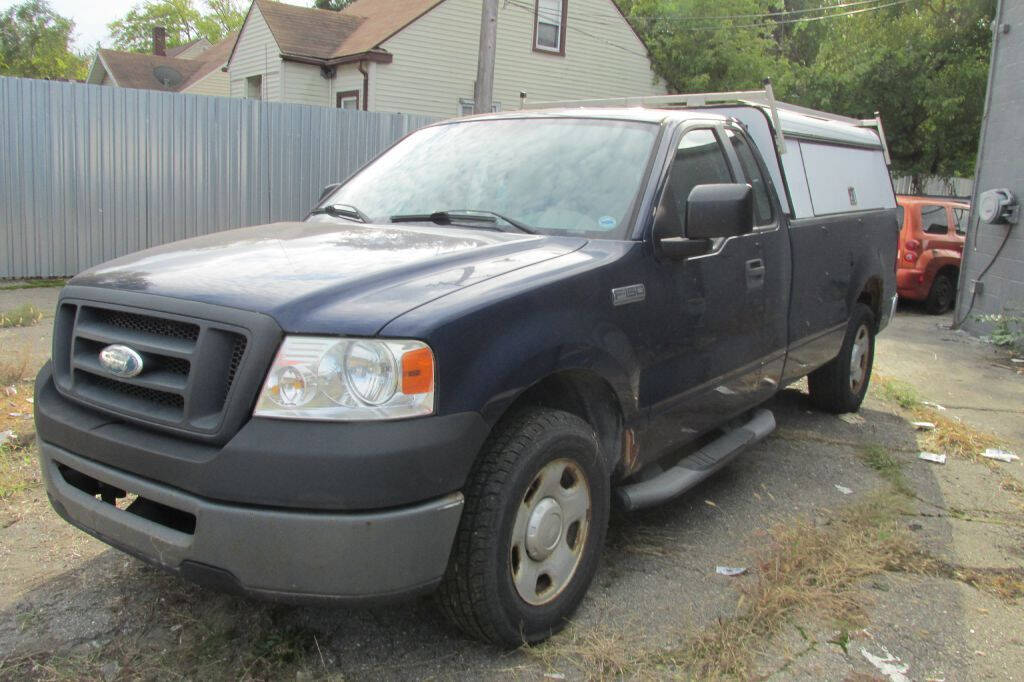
<point>600,652</point>
<point>807,569</point>
<point>14,368</point>
<point>23,316</point>
<point>955,437</point>
<point>950,436</point>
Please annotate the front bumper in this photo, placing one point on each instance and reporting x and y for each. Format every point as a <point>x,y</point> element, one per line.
<point>330,466</point>
<point>280,554</point>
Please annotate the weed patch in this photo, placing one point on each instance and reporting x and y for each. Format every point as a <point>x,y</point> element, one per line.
<point>899,392</point>
<point>19,470</point>
<point>24,316</point>
<point>33,284</point>
<point>887,466</point>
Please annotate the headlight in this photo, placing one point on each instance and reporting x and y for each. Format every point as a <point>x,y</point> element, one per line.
<point>331,378</point>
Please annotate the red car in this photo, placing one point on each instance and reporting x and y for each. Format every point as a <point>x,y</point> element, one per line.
<point>931,246</point>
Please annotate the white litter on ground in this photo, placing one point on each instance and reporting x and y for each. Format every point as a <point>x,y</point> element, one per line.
<point>1017,360</point>
<point>6,436</point>
<point>843,489</point>
<point>923,426</point>
<point>932,457</point>
<point>10,390</point>
<point>730,570</point>
<point>889,666</point>
<point>851,418</point>
<point>1001,455</point>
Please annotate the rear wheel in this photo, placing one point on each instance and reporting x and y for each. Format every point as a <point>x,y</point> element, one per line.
<point>940,298</point>
<point>532,530</point>
<point>840,386</point>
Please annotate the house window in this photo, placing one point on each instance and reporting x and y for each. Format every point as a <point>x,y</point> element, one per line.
<point>348,99</point>
<point>466,106</point>
<point>254,87</point>
<point>549,31</point>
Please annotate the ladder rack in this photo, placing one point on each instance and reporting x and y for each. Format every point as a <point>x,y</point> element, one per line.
<point>760,98</point>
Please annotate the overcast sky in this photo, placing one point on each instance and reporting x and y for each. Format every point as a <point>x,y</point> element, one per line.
<point>92,16</point>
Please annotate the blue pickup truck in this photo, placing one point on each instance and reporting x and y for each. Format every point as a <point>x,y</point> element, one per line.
<point>445,376</point>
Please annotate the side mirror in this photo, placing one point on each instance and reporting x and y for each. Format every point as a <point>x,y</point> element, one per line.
<point>668,231</point>
<point>327,191</point>
<point>723,210</point>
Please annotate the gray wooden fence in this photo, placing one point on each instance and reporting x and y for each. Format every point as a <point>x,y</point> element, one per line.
<point>89,173</point>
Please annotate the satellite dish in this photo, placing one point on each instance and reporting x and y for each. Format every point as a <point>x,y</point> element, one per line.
<point>169,77</point>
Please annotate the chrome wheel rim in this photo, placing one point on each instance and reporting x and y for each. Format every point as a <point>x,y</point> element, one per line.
<point>859,358</point>
<point>550,532</point>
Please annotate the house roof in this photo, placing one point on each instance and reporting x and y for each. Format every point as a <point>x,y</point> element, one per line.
<point>147,71</point>
<point>177,50</point>
<point>213,58</point>
<point>166,73</point>
<point>325,35</point>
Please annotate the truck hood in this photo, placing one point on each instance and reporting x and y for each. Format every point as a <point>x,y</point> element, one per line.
<point>323,276</point>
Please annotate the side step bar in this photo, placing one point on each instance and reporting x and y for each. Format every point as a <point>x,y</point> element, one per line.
<point>696,467</point>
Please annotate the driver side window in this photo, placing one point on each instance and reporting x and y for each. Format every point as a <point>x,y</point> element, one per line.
<point>699,160</point>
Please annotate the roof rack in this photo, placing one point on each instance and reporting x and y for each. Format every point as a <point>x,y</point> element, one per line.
<point>762,98</point>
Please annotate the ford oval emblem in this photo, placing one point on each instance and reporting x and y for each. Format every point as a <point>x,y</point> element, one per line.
<point>121,360</point>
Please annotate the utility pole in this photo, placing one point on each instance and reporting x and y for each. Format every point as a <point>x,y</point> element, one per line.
<point>483,91</point>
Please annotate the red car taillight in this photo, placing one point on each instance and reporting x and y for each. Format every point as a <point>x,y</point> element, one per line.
<point>910,256</point>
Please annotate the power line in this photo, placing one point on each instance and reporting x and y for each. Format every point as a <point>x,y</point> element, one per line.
<point>873,8</point>
<point>725,20</point>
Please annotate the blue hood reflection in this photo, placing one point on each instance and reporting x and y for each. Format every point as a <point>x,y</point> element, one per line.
<point>324,277</point>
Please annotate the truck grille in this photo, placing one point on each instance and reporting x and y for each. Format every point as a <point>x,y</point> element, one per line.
<point>188,365</point>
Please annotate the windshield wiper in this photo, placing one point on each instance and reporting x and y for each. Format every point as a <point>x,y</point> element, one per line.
<point>342,211</point>
<point>461,215</point>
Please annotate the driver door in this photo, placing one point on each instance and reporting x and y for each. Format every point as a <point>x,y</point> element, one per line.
<point>705,364</point>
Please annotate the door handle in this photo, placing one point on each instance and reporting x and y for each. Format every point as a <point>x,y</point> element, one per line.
<point>755,274</point>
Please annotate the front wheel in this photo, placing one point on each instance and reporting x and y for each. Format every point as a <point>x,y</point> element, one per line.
<point>840,386</point>
<point>532,531</point>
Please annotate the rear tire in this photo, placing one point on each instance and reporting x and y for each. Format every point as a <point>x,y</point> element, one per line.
<point>532,531</point>
<point>940,297</point>
<point>840,386</point>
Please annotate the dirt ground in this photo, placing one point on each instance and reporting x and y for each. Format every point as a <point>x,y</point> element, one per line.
<point>70,607</point>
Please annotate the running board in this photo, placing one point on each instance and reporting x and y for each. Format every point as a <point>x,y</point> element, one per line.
<point>696,467</point>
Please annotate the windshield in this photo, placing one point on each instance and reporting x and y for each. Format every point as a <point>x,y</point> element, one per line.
<point>556,176</point>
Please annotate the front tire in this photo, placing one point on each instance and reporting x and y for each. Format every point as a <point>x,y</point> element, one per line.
<point>840,386</point>
<point>532,531</point>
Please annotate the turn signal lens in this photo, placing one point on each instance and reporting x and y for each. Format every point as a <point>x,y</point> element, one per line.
<point>913,245</point>
<point>417,371</point>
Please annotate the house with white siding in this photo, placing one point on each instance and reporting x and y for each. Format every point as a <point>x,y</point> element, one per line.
<point>420,56</point>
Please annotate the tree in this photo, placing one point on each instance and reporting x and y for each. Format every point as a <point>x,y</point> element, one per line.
<point>35,43</point>
<point>925,69</point>
<point>695,49</point>
<point>334,5</point>
<point>184,23</point>
<point>923,65</point>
